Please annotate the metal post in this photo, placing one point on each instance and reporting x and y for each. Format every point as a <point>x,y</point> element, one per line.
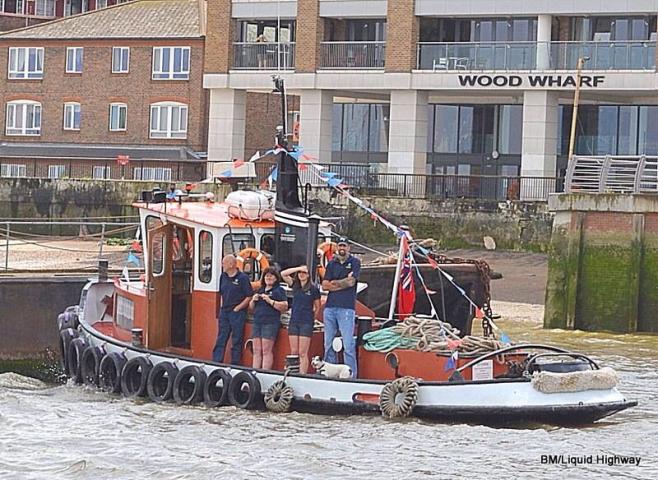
<point>7,248</point>
<point>396,280</point>
<point>100,249</point>
<point>576,98</point>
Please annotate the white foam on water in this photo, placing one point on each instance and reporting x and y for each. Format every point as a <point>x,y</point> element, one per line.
<point>14,381</point>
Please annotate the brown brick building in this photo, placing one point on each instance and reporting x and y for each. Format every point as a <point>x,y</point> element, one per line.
<point>124,80</point>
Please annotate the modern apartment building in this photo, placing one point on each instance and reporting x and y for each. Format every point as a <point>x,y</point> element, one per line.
<point>441,86</point>
<point>83,94</point>
<point>23,13</point>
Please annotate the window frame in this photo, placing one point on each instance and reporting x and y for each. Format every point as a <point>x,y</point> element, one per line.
<point>71,116</point>
<point>118,105</point>
<point>158,70</point>
<point>74,58</point>
<point>107,172</point>
<point>168,132</point>
<point>210,242</point>
<point>24,130</point>
<point>56,171</point>
<point>122,68</point>
<point>20,170</point>
<point>166,174</point>
<point>25,73</point>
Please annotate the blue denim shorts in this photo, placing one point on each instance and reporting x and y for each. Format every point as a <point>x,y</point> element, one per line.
<point>268,331</point>
<point>300,329</point>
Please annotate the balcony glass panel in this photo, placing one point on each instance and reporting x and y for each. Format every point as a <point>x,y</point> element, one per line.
<point>468,56</point>
<point>263,56</point>
<point>353,55</point>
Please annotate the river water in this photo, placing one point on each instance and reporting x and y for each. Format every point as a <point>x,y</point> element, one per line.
<point>72,432</point>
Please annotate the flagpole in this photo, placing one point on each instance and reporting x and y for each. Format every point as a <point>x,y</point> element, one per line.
<point>396,278</point>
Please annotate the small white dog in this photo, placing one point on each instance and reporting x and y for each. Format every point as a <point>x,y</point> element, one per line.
<point>331,370</point>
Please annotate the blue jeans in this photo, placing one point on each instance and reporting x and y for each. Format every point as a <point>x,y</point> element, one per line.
<point>340,319</point>
<point>230,324</point>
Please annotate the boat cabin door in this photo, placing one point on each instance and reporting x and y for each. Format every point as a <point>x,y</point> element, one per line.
<point>158,287</point>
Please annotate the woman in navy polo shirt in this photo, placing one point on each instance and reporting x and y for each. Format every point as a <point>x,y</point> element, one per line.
<point>305,305</point>
<point>268,304</point>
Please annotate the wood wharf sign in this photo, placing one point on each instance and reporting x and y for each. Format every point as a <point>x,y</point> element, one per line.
<point>530,81</point>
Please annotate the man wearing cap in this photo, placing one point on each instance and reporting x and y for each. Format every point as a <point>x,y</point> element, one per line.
<point>340,281</point>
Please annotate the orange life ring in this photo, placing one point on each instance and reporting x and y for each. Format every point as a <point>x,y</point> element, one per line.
<point>257,256</point>
<point>326,251</point>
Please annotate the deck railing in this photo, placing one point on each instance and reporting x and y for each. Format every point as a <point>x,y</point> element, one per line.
<point>513,56</point>
<point>352,55</point>
<point>263,56</point>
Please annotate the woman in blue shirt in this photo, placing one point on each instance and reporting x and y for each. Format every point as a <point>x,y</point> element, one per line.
<point>305,305</point>
<point>268,304</point>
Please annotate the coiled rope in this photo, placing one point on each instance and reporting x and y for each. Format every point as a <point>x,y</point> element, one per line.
<point>426,335</point>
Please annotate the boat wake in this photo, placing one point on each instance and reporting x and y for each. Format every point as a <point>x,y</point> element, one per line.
<point>14,381</point>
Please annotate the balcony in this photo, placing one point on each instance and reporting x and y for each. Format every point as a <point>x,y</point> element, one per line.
<point>352,55</point>
<point>263,56</point>
<point>513,56</point>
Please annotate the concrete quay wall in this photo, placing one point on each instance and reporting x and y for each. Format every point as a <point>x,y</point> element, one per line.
<point>603,263</point>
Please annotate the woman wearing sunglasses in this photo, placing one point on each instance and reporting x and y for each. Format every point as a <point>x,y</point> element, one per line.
<point>305,305</point>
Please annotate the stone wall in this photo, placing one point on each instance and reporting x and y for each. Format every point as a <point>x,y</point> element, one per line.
<point>454,223</point>
<point>603,263</point>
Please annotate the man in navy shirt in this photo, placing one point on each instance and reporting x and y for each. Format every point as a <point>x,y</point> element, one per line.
<point>235,291</point>
<point>340,281</point>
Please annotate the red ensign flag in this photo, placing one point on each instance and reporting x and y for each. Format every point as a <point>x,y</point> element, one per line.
<point>406,287</point>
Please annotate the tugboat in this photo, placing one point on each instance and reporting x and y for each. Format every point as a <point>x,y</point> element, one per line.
<point>153,337</point>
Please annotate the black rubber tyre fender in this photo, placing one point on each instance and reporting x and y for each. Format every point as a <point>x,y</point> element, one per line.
<point>244,391</point>
<point>76,348</point>
<point>134,377</point>
<point>109,372</point>
<point>189,385</point>
<point>160,383</point>
<point>393,406</point>
<point>65,338</point>
<point>90,365</point>
<point>215,395</point>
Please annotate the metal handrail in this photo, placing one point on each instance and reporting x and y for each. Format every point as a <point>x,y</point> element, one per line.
<point>612,174</point>
<point>263,55</point>
<point>343,55</point>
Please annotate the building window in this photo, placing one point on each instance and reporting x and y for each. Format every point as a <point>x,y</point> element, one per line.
<point>74,59</point>
<point>13,170</point>
<point>101,4</point>
<point>72,116</point>
<point>74,7</point>
<point>169,120</point>
<point>120,59</point>
<point>45,8</point>
<point>118,117</point>
<point>171,63</point>
<point>26,62</point>
<point>152,173</point>
<point>56,171</point>
<point>101,172</point>
<point>23,118</point>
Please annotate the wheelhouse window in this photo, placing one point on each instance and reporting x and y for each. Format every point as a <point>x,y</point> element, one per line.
<point>23,118</point>
<point>171,63</point>
<point>168,120</point>
<point>120,59</point>
<point>236,242</point>
<point>205,256</point>
<point>72,116</point>
<point>25,62</point>
<point>13,170</point>
<point>118,117</point>
<point>158,253</point>
<point>152,173</point>
<point>74,57</point>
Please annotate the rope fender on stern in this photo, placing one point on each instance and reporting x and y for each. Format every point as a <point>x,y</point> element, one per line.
<point>388,404</point>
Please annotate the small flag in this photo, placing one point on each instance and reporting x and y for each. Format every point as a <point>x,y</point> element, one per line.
<point>432,262</point>
<point>274,174</point>
<point>451,364</point>
<point>226,173</point>
<point>306,156</point>
<point>407,290</point>
<point>255,157</point>
<point>125,275</point>
<point>479,313</point>
<point>303,166</point>
<point>505,339</point>
<point>454,344</point>
<point>328,174</point>
<point>238,163</point>
<point>318,167</point>
<point>430,292</point>
<point>447,275</point>
<point>294,154</point>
